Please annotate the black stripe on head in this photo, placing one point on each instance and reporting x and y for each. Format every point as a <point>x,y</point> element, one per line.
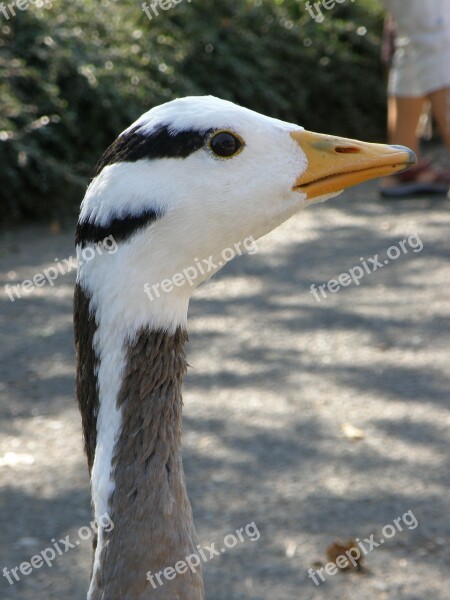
<point>159,143</point>
<point>120,229</point>
<point>132,146</point>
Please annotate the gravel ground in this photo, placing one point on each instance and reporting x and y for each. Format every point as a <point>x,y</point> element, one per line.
<point>317,421</point>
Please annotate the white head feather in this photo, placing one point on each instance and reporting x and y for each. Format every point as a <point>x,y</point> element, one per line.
<point>208,204</point>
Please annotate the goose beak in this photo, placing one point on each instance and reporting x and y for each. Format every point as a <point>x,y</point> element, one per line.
<point>336,163</point>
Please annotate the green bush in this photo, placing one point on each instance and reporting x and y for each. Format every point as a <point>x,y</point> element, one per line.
<point>74,73</point>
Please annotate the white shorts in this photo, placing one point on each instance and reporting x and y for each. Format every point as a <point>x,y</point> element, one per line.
<point>421,61</point>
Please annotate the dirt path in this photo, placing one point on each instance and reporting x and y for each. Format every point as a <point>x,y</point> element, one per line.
<point>278,378</point>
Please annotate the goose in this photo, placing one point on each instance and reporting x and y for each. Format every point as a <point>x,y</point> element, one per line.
<point>187,180</point>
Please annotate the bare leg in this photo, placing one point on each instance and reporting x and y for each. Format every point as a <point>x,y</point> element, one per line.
<point>403,117</point>
<point>440,103</point>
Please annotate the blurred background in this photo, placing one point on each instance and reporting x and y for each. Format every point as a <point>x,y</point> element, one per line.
<point>320,421</point>
<point>73,74</point>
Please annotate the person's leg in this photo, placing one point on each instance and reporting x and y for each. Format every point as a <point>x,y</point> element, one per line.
<point>440,104</point>
<point>403,117</point>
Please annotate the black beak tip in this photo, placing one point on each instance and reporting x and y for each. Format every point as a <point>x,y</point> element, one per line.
<point>412,158</point>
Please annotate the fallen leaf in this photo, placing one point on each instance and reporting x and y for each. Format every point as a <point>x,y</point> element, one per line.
<point>351,432</point>
<point>55,227</point>
<point>337,549</point>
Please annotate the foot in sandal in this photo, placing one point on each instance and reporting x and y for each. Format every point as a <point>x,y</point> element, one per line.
<point>421,179</point>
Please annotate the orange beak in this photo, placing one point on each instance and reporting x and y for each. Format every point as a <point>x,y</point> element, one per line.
<point>336,163</point>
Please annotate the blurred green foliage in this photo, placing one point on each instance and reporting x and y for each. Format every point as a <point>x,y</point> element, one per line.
<point>74,73</point>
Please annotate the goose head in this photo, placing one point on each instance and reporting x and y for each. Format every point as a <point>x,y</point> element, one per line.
<point>193,177</point>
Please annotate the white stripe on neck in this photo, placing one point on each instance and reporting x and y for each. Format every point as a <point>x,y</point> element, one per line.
<point>109,423</point>
<point>115,285</point>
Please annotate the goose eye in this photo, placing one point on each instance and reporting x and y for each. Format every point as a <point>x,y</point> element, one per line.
<point>225,144</point>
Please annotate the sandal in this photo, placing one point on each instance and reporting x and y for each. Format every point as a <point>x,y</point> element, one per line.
<point>420,179</point>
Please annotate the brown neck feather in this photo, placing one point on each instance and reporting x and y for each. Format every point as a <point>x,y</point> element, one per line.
<point>152,516</point>
<point>87,362</point>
